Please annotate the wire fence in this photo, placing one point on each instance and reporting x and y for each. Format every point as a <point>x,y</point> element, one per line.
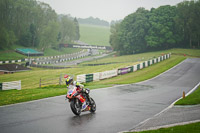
<point>53,81</point>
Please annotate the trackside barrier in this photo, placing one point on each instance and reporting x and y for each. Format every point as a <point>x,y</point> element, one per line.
<point>125,70</point>
<point>81,78</point>
<point>11,85</point>
<point>112,73</point>
<point>96,76</point>
<point>64,57</point>
<point>134,68</point>
<point>108,74</point>
<point>89,77</point>
<point>146,63</point>
<point>141,65</point>
<point>0,86</point>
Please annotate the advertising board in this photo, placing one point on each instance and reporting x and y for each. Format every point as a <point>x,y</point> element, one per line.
<point>122,71</point>
<point>107,74</point>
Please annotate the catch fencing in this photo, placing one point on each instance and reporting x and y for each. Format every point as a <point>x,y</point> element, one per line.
<point>53,81</point>
<point>84,78</point>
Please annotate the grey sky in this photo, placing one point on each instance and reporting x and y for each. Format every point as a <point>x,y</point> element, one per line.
<point>104,9</point>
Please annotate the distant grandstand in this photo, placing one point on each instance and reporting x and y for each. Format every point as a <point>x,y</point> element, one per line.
<point>29,52</point>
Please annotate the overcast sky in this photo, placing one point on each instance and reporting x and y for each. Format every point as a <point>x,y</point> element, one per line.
<point>104,9</point>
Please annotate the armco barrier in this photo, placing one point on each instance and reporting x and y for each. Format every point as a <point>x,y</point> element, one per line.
<point>112,73</point>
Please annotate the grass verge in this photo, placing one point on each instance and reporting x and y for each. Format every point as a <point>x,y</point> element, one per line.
<point>30,79</point>
<point>12,55</point>
<point>14,96</point>
<point>189,128</point>
<point>192,99</point>
<point>17,96</point>
<point>143,74</point>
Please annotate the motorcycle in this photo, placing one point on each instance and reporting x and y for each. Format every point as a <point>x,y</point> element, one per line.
<point>80,102</point>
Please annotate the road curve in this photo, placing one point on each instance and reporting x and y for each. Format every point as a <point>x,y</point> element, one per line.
<point>119,108</point>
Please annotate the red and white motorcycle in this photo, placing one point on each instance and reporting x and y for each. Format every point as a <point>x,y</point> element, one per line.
<point>79,102</point>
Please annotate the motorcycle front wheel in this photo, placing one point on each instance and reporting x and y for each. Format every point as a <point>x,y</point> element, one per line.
<point>93,105</point>
<point>75,106</point>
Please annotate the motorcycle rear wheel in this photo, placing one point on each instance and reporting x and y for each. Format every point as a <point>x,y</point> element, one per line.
<point>75,106</point>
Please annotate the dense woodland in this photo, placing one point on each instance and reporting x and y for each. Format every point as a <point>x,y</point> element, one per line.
<point>34,24</point>
<point>161,28</point>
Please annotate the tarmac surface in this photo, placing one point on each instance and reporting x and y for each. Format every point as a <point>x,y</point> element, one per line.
<point>119,108</point>
<point>75,62</point>
<point>177,115</point>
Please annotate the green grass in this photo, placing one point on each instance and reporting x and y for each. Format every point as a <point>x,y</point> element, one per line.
<point>192,99</point>
<point>17,96</point>
<point>128,58</point>
<point>94,35</point>
<point>10,54</point>
<point>143,74</point>
<point>189,128</point>
<point>188,52</point>
<point>30,79</point>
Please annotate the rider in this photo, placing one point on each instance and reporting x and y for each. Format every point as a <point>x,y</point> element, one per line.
<point>80,87</point>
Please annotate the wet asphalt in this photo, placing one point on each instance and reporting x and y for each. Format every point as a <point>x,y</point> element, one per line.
<point>75,62</point>
<point>172,116</point>
<point>119,108</point>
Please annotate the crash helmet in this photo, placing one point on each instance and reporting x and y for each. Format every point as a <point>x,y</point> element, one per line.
<point>68,79</point>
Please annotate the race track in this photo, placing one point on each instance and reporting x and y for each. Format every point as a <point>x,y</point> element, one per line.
<point>119,108</point>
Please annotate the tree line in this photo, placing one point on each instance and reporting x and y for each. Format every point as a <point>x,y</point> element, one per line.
<point>157,29</point>
<point>34,24</point>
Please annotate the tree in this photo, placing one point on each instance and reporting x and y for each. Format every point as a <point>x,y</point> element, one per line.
<point>49,35</point>
<point>188,14</point>
<point>131,32</point>
<point>77,36</point>
<point>161,28</point>
<point>7,38</point>
<point>114,37</point>
<point>161,32</point>
<point>67,29</point>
